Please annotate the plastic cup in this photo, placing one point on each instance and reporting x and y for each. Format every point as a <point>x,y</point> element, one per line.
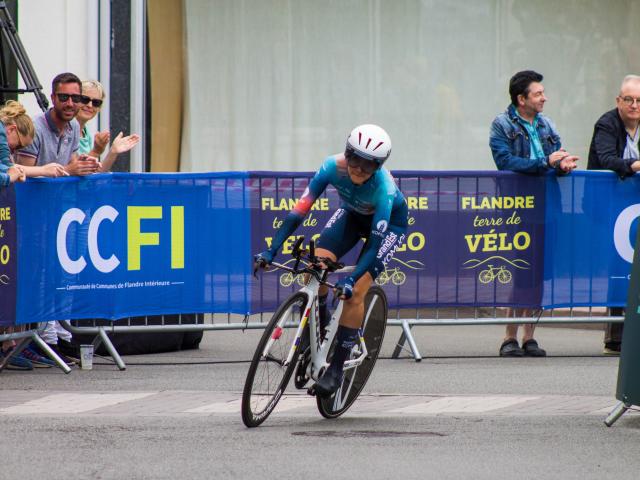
<point>86,357</point>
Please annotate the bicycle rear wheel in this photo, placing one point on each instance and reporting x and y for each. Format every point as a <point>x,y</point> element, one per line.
<point>269,373</point>
<point>374,325</point>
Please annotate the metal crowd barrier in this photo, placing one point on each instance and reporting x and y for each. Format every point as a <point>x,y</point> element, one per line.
<point>406,319</point>
<point>24,338</point>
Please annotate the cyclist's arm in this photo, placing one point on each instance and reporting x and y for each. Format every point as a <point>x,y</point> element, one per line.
<point>379,226</point>
<point>293,220</point>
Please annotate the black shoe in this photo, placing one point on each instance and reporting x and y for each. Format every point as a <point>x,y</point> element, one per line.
<point>611,349</point>
<point>510,348</point>
<point>531,349</point>
<point>69,349</point>
<point>329,383</point>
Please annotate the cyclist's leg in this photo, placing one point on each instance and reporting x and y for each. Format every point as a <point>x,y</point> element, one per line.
<point>323,291</point>
<point>353,309</point>
<point>353,312</point>
<point>346,336</point>
<point>336,239</point>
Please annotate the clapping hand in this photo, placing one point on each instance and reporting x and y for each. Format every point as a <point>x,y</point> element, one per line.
<point>123,144</point>
<point>83,165</point>
<point>100,141</point>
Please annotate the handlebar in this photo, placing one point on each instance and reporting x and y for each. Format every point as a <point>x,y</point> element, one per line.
<point>311,263</point>
<point>313,268</point>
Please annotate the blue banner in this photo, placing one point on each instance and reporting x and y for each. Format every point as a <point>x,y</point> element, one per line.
<point>474,238</point>
<point>118,245</point>
<point>8,256</point>
<point>591,221</point>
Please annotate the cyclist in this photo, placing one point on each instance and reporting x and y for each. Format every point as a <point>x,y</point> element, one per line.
<point>373,208</point>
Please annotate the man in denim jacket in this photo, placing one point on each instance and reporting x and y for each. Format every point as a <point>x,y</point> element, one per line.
<point>524,140</point>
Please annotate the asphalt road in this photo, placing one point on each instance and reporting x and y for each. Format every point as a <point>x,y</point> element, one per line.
<point>460,413</point>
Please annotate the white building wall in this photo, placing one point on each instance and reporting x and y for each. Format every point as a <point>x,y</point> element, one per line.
<point>59,36</point>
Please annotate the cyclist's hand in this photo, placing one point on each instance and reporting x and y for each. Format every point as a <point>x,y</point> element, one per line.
<point>261,260</point>
<point>344,288</point>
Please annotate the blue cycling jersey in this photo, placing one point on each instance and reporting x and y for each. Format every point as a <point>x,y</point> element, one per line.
<point>378,200</point>
<point>378,196</point>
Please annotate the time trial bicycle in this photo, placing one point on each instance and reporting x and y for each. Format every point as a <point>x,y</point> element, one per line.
<point>294,340</point>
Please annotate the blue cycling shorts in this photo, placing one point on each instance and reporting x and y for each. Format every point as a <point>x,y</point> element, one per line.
<point>344,230</point>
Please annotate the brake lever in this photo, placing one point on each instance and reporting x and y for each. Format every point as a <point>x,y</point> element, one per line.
<point>296,251</point>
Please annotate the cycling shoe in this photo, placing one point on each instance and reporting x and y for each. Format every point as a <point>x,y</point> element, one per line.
<point>329,383</point>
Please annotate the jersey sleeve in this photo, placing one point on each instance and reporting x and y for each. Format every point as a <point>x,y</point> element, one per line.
<point>318,184</point>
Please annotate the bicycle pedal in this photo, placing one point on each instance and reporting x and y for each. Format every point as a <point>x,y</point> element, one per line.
<point>312,390</point>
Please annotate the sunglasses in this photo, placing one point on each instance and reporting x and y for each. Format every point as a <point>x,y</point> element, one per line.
<point>366,166</point>
<point>75,97</point>
<point>96,102</point>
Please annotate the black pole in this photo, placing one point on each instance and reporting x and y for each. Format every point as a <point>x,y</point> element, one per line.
<point>120,78</point>
<point>18,60</point>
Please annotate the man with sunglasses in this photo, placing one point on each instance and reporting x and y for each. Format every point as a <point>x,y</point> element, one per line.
<point>614,146</point>
<point>372,207</point>
<point>57,131</point>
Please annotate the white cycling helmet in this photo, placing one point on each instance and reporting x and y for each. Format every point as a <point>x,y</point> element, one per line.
<point>369,142</point>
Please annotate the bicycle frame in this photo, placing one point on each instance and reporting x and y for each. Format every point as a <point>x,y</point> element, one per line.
<point>319,347</point>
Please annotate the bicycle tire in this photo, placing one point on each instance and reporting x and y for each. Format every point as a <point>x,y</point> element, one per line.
<point>253,394</point>
<point>374,328</point>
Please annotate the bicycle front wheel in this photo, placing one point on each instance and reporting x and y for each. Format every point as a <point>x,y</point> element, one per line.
<point>374,325</point>
<point>269,372</point>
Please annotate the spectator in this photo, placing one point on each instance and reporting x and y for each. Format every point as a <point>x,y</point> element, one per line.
<point>614,146</point>
<point>16,132</point>
<point>56,143</point>
<point>11,139</point>
<point>93,97</point>
<point>524,140</point>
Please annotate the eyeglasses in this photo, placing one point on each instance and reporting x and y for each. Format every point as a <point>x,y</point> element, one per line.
<point>64,97</point>
<point>367,166</point>
<point>96,102</point>
<point>628,101</point>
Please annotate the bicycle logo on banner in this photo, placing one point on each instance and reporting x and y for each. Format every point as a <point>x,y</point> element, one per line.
<point>390,275</point>
<point>490,273</point>
<point>396,276</point>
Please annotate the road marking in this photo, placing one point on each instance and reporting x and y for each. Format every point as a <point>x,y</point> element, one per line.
<point>232,406</point>
<point>460,404</point>
<point>64,403</point>
<point>171,402</point>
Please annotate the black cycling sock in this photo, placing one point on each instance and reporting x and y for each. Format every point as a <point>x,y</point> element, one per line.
<point>323,311</point>
<point>345,340</point>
